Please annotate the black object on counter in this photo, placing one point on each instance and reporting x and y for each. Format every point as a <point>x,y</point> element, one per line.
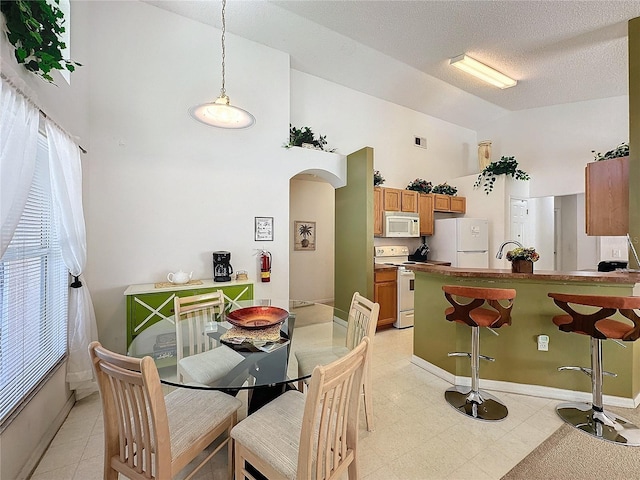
<point>609,266</point>
<point>421,253</point>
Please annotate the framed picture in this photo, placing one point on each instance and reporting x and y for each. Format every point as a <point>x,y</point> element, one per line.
<point>304,235</point>
<point>264,229</point>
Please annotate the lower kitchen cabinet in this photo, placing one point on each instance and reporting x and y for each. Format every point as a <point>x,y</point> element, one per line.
<point>385,293</point>
<point>147,304</point>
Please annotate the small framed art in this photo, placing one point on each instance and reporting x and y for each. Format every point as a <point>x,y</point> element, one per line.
<point>264,229</point>
<point>304,235</point>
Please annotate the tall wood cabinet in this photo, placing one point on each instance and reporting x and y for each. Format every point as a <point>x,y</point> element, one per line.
<point>607,197</point>
<point>425,210</point>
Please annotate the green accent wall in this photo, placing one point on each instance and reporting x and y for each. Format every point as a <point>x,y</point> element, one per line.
<point>634,134</point>
<point>354,230</point>
<point>515,349</point>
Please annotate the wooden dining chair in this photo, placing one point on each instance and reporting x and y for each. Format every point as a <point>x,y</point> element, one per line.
<point>363,319</point>
<point>200,360</point>
<point>148,435</point>
<point>307,436</point>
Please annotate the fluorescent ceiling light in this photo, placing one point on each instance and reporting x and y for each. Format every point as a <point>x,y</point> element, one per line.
<point>482,71</point>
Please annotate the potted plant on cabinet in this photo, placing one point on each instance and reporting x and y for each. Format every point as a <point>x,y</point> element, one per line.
<point>504,166</point>
<point>419,185</point>
<point>621,150</point>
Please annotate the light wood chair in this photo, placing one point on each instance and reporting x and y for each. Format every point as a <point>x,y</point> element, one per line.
<point>363,319</point>
<point>148,435</point>
<point>307,436</point>
<point>203,362</point>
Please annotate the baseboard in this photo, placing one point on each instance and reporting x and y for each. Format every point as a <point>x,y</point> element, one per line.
<point>47,438</point>
<point>525,389</point>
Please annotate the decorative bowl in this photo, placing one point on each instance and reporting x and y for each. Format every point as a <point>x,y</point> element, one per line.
<point>257,317</point>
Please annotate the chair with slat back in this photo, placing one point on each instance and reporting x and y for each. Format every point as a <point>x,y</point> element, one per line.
<point>200,360</point>
<point>148,435</point>
<point>312,436</point>
<point>363,319</point>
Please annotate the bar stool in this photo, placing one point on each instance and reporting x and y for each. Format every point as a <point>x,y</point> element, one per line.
<point>472,401</point>
<point>592,418</point>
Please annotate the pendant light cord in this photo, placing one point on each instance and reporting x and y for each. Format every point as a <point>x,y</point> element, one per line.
<point>224,28</point>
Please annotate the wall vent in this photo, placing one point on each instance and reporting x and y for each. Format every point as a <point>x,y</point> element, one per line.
<point>420,142</point>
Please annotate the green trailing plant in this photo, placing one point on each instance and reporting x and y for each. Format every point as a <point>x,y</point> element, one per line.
<point>304,135</point>
<point>621,150</point>
<point>420,185</point>
<point>34,28</point>
<point>445,189</point>
<point>378,179</point>
<point>504,166</point>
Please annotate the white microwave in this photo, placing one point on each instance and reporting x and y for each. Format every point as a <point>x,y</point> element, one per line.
<point>401,224</point>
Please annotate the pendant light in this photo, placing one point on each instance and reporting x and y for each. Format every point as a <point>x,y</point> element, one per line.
<point>220,113</point>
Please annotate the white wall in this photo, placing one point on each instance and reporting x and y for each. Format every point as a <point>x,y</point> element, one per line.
<point>352,120</point>
<point>553,144</point>
<point>311,272</point>
<point>165,190</point>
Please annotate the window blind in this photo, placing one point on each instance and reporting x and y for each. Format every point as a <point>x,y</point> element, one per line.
<point>33,297</point>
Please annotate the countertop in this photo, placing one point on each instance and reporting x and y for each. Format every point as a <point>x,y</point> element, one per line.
<point>383,266</point>
<point>551,275</point>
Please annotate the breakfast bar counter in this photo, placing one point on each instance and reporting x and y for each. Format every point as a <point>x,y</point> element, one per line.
<point>520,367</point>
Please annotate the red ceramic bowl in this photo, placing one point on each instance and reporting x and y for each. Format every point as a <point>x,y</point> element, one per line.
<point>257,317</point>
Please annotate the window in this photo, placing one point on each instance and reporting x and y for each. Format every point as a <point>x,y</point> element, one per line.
<point>33,297</point>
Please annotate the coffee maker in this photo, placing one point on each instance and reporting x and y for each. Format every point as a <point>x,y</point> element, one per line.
<point>222,269</point>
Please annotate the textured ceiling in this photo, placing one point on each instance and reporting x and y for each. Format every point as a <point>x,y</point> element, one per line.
<point>559,51</point>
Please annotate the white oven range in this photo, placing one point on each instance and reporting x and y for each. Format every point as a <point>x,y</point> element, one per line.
<point>399,256</point>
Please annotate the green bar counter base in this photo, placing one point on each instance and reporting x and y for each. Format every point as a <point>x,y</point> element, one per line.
<point>147,305</point>
<point>520,367</point>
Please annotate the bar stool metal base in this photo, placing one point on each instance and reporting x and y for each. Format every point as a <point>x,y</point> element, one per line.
<point>476,404</point>
<point>600,424</point>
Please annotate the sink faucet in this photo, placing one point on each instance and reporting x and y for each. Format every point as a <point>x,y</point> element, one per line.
<point>499,254</point>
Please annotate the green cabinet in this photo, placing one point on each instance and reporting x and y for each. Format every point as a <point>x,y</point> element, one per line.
<point>147,305</point>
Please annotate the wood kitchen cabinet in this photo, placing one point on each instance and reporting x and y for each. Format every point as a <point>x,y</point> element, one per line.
<point>397,200</point>
<point>409,201</point>
<point>607,197</point>
<point>378,212</point>
<point>448,203</point>
<point>425,210</point>
<point>385,293</point>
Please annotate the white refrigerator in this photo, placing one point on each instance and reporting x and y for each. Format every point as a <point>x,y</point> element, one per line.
<point>462,241</point>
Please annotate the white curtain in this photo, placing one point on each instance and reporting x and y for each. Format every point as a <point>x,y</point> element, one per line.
<point>18,147</point>
<point>66,190</point>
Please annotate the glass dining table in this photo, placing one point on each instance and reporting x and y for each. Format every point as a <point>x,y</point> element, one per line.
<point>266,368</point>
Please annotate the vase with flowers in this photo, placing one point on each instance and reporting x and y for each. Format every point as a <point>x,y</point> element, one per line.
<point>522,259</point>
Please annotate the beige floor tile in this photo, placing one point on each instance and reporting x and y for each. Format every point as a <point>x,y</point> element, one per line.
<point>60,456</point>
<point>62,473</point>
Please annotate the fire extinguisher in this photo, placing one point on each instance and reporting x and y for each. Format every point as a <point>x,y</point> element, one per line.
<point>265,266</point>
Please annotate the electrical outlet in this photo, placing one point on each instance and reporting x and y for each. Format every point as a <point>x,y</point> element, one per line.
<point>616,253</point>
<point>543,343</point>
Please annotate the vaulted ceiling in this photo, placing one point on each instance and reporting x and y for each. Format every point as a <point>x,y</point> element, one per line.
<point>559,51</point>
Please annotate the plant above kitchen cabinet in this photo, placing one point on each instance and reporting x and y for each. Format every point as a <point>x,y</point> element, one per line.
<point>621,150</point>
<point>445,189</point>
<point>304,137</point>
<point>420,185</point>
<point>504,166</point>
<point>378,179</point>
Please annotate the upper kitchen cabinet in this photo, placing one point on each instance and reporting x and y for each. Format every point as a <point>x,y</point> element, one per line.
<point>425,210</point>
<point>397,200</point>
<point>448,203</point>
<point>607,197</point>
<point>378,212</point>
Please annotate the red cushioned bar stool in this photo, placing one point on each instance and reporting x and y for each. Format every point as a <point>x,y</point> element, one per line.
<point>592,418</point>
<point>472,401</point>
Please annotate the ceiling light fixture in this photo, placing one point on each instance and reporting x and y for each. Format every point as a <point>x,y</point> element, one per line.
<point>220,113</point>
<point>482,71</point>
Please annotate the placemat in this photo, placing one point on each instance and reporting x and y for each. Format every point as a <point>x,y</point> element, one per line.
<point>269,334</point>
<point>169,284</point>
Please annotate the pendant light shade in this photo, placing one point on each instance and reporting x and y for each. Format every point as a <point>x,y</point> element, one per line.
<point>220,113</point>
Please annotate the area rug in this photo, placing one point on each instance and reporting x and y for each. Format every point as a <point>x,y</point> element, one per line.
<point>574,455</point>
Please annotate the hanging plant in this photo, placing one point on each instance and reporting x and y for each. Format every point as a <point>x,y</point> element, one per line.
<point>420,185</point>
<point>34,28</point>
<point>445,189</point>
<point>621,150</point>
<point>304,137</point>
<point>378,179</point>
<point>504,166</point>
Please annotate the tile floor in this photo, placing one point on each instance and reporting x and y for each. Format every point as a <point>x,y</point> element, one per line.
<point>417,434</point>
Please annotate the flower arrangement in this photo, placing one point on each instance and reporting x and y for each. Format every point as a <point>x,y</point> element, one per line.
<point>621,150</point>
<point>523,254</point>
<point>420,185</point>
<point>445,189</point>
<point>304,137</point>
<point>504,166</point>
<point>378,179</point>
